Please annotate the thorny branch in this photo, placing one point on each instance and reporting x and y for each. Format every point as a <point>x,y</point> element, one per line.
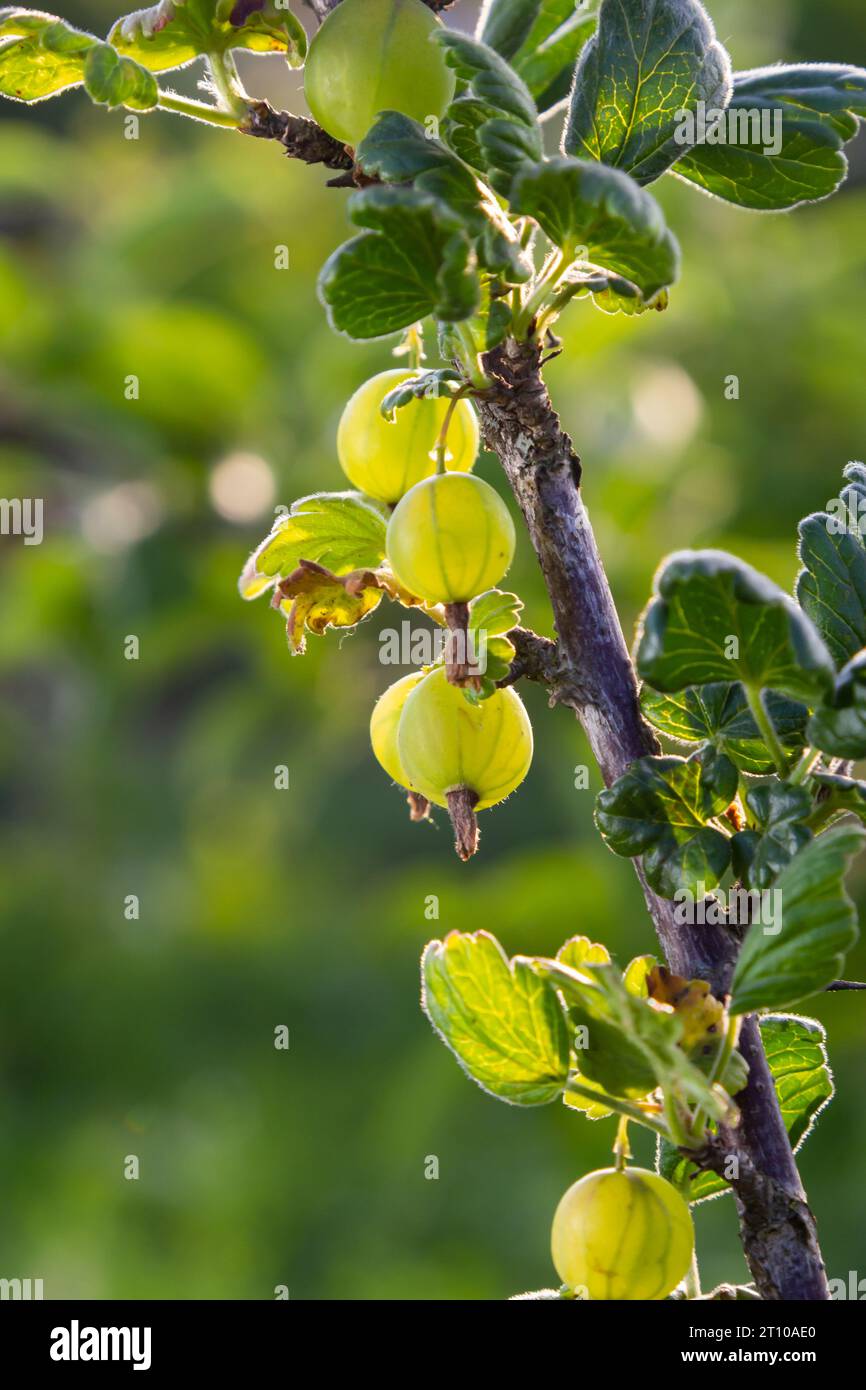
<point>521,426</point>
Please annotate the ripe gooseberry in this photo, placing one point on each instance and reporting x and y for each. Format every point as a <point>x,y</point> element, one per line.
<point>383,725</point>
<point>385,458</point>
<point>371,56</point>
<point>445,744</point>
<point>622,1235</point>
<point>450,538</point>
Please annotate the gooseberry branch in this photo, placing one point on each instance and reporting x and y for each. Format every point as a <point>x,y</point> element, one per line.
<point>458,225</point>
<point>589,670</point>
<point>521,426</point>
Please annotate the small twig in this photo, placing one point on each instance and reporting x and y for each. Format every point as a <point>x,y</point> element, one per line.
<point>845,984</point>
<point>535,658</point>
<point>539,659</point>
<point>300,137</point>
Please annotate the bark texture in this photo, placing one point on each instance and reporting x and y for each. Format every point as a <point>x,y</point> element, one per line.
<point>300,137</point>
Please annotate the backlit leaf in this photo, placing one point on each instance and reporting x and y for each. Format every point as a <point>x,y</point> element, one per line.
<point>504,1024</point>
<point>819,924</point>
<point>645,64</point>
<point>796,161</point>
<point>714,618</point>
<point>600,216</point>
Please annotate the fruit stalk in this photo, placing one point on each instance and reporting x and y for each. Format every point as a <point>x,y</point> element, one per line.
<point>463,821</point>
<point>596,678</point>
<point>458,658</point>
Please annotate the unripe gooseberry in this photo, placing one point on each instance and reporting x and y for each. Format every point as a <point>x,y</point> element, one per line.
<point>385,458</point>
<point>445,743</point>
<point>383,725</point>
<point>450,538</point>
<point>371,56</point>
<point>622,1235</point>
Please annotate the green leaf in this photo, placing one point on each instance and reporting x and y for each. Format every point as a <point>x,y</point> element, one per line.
<point>797,1058</point>
<point>819,924</point>
<point>398,149</point>
<point>841,793</point>
<point>176,32</point>
<point>110,80</point>
<point>460,126</point>
<point>611,1058</point>
<point>633,1046</point>
<point>758,856</point>
<point>579,951</point>
<point>491,615</point>
<point>488,325</point>
<point>576,953</point>
<point>441,381</point>
<point>839,727</point>
<point>831,587</point>
<point>40,55</point>
<point>506,24</point>
<point>660,808</point>
<point>618,296</point>
<point>489,78</point>
<point>495,612</point>
<point>541,39</point>
<point>601,216</point>
<point>494,126</point>
<point>714,618</point>
<point>819,105</point>
<point>719,714</point>
<point>502,1021</point>
<point>546,62</point>
<point>645,64</point>
<point>340,530</point>
<point>634,976</point>
<point>415,260</point>
<point>273,29</point>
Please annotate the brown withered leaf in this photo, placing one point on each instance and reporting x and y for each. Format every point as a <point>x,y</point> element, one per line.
<point>703,1015</point>
<point>314,599</point>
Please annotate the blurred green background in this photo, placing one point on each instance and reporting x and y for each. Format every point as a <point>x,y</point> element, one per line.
<point>155,777</point>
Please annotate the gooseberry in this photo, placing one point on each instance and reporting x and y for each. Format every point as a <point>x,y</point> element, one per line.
<point>371,56</point>
<point>445,743</point>
<point>450,538</point>
<point>383,725</point>
<point>385,458</point>
<point>622,1235</point>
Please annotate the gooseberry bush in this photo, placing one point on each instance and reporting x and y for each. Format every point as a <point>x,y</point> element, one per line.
<point>496,179</point>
